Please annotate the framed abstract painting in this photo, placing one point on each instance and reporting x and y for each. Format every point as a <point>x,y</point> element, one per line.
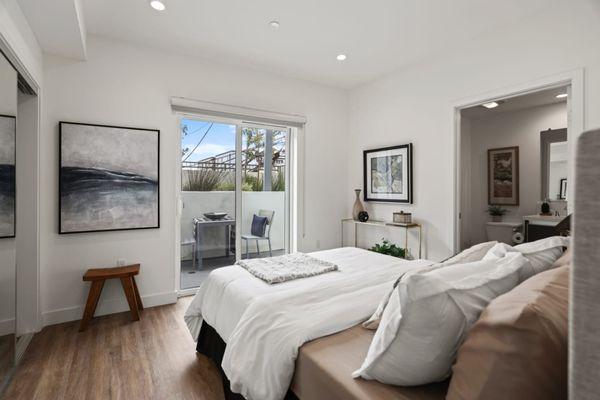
<point>387,174</point>
<point>8,125</point>
<point>109,178</point>
<point>503,176</point>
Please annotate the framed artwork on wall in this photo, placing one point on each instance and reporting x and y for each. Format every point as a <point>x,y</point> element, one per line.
<point>503,176</point>
<point>387,174</point>
<point>563,189</point>
<point>109,178</point>
<point>8,125</point>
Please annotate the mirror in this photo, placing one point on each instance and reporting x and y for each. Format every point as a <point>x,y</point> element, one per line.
<point>554,157</point>
<point>8,113</point>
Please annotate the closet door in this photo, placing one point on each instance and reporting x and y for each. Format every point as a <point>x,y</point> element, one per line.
<point>8,113</point>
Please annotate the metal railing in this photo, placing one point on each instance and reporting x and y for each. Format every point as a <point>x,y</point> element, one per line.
<point>226,162</point>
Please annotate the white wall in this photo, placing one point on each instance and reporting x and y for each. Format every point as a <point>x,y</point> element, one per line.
<point>465,174</point>
<point>27,240</point>
<point>122,84</point>
<point>24,49</point>
<point>198,203</point>
<point>520,128</point>
<point>415,103</point>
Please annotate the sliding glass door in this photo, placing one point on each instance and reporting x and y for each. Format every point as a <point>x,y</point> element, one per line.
<point>264,206</point>
<point>235,195</point>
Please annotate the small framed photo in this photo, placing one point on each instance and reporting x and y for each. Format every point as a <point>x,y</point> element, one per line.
<point>563,189</point>
<point>503,176</point>
<point>388,174</point>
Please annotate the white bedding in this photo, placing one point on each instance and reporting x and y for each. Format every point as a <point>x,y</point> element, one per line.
<point>264,325</point>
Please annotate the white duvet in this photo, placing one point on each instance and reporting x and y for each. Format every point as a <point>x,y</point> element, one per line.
<point>265,325</point>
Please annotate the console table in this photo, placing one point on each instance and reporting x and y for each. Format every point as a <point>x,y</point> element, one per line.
<point>383,224</point>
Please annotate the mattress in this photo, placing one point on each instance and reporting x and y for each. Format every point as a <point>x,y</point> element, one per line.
<point>324,367</point>
<point>226,294</point>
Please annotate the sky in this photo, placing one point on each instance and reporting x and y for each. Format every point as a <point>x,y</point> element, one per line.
<point>220,139</point>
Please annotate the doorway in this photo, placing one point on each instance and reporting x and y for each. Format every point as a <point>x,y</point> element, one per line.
<point>235,194</point>
<point>570,85</point>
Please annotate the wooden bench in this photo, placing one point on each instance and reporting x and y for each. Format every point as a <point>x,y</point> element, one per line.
<point>98,276</point>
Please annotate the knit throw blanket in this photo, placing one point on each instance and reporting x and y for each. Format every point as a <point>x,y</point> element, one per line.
<point>287,267</point>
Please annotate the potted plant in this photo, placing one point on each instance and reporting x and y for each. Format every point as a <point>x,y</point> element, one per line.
<point>389,249</point>
<point>496,212</point>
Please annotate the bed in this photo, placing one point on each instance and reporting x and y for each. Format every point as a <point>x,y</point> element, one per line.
<point>303,339</point>
<point>325,365</point>
<point>236,317</point>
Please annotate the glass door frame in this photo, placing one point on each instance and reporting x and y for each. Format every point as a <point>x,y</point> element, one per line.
<point>288,182</point>
<point>291,176</point>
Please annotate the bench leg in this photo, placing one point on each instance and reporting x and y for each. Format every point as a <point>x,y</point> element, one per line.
<point>92,302</point>
<point>138,298</point>
<point>130,294</point>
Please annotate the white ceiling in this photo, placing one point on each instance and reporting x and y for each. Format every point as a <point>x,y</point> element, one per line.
<point>518,103</point>
<point>378,36</point>
<point>58,26</point>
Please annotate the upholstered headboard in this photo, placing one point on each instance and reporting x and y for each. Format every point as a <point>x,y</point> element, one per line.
<point>584,362</point>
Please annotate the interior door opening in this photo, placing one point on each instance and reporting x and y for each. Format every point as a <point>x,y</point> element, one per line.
<point>511,177</point>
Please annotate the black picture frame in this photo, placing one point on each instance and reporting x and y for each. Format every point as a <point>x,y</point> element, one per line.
<point>14,179</point>
<point>495,158</point>
<point>367,193</point>
<point>563,189</point>
<point>61,178</point>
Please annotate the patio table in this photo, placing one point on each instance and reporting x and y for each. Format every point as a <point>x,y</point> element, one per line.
<point>202,222</point>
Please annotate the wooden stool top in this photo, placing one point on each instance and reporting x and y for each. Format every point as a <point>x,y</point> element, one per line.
<point>97,274</point>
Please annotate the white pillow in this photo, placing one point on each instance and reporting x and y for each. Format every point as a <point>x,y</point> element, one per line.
<point>473,253</point>
<point>373,322</point>
<point>542,253</point>
<point>428,316</point>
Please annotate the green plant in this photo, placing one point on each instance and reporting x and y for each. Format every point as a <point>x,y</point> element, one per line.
<point>253,183</point>
<point>226,186</point>
<point>389,249</point>
<point>278,182</point>
<point>496,210</point>
<point>203,180</point>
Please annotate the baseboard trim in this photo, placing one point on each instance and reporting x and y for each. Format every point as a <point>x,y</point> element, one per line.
<point>7,326</point>
<point>106,307</point>
<point>22,344</point>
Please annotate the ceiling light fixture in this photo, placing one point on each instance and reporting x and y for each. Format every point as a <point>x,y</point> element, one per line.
<point>274,24</point>
<point>341,57</point>
<point>491,104</point>
<point>561,96</point>
<point>158,5</point>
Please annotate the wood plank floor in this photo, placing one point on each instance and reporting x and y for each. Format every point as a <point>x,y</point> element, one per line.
<point>115,358</point>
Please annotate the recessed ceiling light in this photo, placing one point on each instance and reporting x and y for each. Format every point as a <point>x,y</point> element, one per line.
<point>341,57</point>
<point>561,96</point>
<point>274,24</point>
<point>491,104</point>
<point>158,5</point>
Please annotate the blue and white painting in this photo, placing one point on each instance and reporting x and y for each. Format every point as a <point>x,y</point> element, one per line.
<point>7,176</point>
<point>109,178</point>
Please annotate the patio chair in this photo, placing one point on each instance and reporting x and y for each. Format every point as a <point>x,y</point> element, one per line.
<point>269,214</point>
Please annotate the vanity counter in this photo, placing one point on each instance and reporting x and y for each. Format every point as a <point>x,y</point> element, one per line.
<point>545,220</point>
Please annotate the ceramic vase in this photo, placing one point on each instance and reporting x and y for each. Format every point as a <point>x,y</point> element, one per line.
<point>358,205</point>
<point>496,218</point>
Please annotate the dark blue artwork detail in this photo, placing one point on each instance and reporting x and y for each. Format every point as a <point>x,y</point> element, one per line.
<point>7,200</point>
<point>7,175</point>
